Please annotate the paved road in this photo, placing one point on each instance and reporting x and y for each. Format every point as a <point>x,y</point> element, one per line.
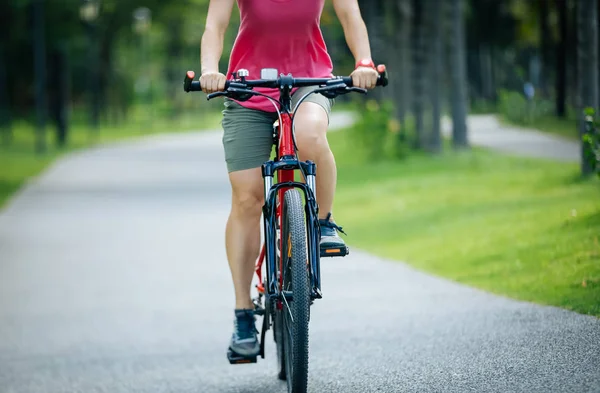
<point>113,279</point>
<point>486,131</point>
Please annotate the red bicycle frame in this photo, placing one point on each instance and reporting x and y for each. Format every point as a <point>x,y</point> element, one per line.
<point>285,148</point>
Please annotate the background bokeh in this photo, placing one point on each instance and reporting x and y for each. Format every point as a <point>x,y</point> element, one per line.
<point>104,60</point>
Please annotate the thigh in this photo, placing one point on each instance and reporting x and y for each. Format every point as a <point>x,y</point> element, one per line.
<point>247,136</point>
<point>311,122</point>
<point>313,101</point>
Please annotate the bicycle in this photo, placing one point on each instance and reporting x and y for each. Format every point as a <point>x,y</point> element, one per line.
<point>291,249</point>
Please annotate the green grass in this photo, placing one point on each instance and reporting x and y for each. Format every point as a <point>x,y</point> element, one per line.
<point>19,162</point>
<point>524,228</point>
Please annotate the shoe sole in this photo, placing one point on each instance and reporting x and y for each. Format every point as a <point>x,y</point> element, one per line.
<point>235,358</point>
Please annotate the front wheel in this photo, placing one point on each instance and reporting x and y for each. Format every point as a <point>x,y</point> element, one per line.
<point>295,313</point>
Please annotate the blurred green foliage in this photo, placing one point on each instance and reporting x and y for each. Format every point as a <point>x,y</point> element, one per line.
<point>377,135</point>
<point>591,139</point>
<point>133,68</point>
<point>515,107</point>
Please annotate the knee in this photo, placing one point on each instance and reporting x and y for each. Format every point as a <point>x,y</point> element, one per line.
<point>247,203</point>
<point>311,134</point>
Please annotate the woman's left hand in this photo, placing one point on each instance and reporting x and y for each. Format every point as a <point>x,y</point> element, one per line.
<point>364,77</point>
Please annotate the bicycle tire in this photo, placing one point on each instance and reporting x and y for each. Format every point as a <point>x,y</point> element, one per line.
<point>278,338</point>
<point>278,319</point>
<point>295,311</point>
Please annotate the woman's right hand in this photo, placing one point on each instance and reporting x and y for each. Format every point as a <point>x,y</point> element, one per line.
<point>211,82</point>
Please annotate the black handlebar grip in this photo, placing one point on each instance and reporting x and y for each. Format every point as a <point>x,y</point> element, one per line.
<point>187,82</point>
<point>382,80</point>
<point>219,93</point>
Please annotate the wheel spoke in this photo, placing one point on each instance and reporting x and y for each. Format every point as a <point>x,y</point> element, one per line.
<point>288,308</point>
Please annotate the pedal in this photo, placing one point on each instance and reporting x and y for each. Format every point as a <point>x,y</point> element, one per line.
<point>335,252</point>
<point>258,308</point>
<point>234,358</point>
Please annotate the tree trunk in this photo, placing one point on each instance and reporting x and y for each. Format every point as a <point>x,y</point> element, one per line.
<point>39,58</point>
<point>436,64</point>
<point>561,60</point>
<point>173,70</point>
<point>572,55</point>
<point>373,16</point>
<point>545,46</point>
<point>418,72</point>
<point>60,104</point>
<point>5,118</point>
<point>458,73</point>
<point>587,22</point>
<point>487,80</point>
<point>402,80</point>
<point>93,80</point>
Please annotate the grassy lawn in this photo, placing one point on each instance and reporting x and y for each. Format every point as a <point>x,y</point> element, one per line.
<point>524,228</point>
<point>19,161</point>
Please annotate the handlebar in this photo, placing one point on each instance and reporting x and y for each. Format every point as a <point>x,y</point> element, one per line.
<point>242,85</point>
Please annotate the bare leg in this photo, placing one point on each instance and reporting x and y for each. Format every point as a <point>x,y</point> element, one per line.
<point>242,236</point>
<point>311,136</point>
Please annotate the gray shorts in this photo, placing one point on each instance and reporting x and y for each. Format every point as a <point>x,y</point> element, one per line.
<point>248,133</point>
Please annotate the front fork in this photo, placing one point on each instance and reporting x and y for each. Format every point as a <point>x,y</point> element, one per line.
<point>272,212</point>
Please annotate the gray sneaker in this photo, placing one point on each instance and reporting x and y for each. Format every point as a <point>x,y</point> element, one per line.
<point>329,234</point>
<point>244,340</point>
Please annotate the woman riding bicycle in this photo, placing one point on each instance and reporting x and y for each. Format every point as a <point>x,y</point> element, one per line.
<point>285,35</point>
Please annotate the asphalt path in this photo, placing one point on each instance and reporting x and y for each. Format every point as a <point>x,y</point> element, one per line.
<point>113,279</point>
<point>486,131</point>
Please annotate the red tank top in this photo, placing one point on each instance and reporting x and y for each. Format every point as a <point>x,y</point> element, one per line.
<point>281,34</point>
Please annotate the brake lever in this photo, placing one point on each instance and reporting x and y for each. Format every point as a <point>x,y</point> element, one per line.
<point>232,92</point>
<point>332,91</point>
<point>356,89</point>
<point>341,90</point>
<point>239,94</point>
<point>215,95</point>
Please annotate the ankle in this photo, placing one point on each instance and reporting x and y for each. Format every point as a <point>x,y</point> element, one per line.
<point>245,305</point>
<point>326,216</point>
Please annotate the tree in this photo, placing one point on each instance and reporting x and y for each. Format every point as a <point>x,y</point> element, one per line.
<point>5,126</point>
<point>373,15</point>
<point>400,64</point>
<point>458,74</point>
<point>404,64</point>
<point>545,44</point>
<point>561,59</point>
<point>59,98</point>
<point>418,75</point>
<point>587,45</point>
<point>436,63</point>
<point>39,59</point>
